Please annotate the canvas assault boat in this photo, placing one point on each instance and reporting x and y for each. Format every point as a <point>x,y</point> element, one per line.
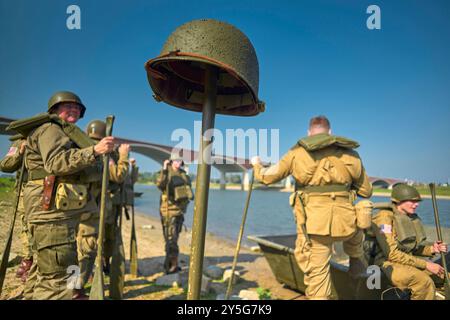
<point>279,253</point>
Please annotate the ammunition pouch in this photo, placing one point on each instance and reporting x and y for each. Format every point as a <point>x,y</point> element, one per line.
<point>182,193</point>
<point>178,188</point>
<point>364,214</point>
<point>71,196</point>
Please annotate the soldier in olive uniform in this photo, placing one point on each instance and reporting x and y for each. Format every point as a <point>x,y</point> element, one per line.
<point>400,238</point>
<point>55,195</point>
<point>175,186</point>
<point>328,174</point>
<point>12,162</point>
<point>130,180</point>
<point>89,224</point>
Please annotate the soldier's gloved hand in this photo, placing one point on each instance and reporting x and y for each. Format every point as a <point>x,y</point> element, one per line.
<point>255,160</point>
<point>435,268</point>
<point>439,246</point>
<point>106,145</point>
<point>124,149</point>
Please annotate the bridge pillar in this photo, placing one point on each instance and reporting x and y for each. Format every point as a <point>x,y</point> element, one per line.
<point>288,183</point>
<point>245,181</point>
<point>223,181</point>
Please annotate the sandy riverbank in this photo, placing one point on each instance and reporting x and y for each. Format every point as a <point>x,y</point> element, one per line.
<point>253,267</point>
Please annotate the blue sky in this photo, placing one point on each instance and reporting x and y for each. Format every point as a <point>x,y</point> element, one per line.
<point>389,89</point>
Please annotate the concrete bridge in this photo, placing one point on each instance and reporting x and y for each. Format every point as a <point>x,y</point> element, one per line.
<point>223,164</point>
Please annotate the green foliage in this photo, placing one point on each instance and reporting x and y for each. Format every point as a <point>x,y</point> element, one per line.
<point>264,294</point>
<point>6,187</point>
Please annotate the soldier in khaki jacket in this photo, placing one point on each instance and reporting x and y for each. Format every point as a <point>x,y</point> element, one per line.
<point>56,195</point>
<point>400,239</point>
<point>89,224</point>
<point>12,162</point>
<point>175,186</point>
<point>328,175</point>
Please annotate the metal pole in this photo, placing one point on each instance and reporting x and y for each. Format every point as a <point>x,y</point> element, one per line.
<point>241,233</point>
<point>439,236</point>
<point>202,185</point>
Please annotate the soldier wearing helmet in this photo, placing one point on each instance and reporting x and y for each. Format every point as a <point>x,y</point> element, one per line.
<point>88,229</point>
<point>400,239</point>
<point>176,192</point>
<point>58,158</point>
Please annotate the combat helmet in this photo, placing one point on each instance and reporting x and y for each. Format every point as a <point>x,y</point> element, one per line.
<point>177,75</point>
<point>65,96</point>
<point>96,129</point>
<point>175,156</point>
<point>403,192</point>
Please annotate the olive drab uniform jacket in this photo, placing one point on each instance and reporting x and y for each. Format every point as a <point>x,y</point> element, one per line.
<point>118,170</point>
<point>324,167</point>
<point>12,162</point>
<point>397,238</point>
<point>128,185</point>
<point>170,183</point>
<point>51,152</point>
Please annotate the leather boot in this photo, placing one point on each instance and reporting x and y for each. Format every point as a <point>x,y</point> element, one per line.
<point>25,265</point>
<point>78,294</point>
<point>173,265</point>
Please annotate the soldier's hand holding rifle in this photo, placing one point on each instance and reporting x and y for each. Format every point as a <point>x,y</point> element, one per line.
<point>439,247</point>
<point>105,146</point>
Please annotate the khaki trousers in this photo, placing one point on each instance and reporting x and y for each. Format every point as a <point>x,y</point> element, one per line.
<point>314,260</point>
<point>407,277</point>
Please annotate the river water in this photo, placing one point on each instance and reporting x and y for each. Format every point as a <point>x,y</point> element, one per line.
<point>269,212</point>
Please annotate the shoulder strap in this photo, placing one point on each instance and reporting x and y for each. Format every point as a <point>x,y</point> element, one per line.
<point>27,125</point>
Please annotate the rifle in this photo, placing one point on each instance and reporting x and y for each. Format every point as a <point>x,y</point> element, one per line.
<point>97,289</point>
<point>133,241</point>
<point>439,236</point>
<point>241,233</point>
<point>5,255</point>
<point>117,274</point>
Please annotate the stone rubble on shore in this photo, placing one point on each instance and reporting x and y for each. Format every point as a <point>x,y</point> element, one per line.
<point>227,276</point>
<point>169,280</point>
<point>214,272</point>
<point>248,295</point>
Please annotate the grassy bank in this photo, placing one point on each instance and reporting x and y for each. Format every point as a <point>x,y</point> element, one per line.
<point>423,190</point>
